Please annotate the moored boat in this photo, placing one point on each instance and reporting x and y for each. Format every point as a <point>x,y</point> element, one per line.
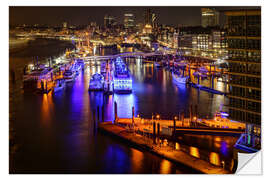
<point>69,75</point>
<point>38,79</point>
<point>122,81</point>
<point>96,82</point>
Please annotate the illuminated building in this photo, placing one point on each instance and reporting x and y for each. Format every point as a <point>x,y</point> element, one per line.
<point>128,20</point>
<point>150,18</point>
<point>154,20</point>
<point>122,81</point>
<point>244,51</point>
<point>210,17</point>
<point>109,21</point>
<point>147,29</point>
<point>206,42</point>
<point>175,40</point>
<point>64,25</point>
<point>147,17</point>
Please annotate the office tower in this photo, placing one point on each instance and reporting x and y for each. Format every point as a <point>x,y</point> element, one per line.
<point>244,51</point>
<point>147,17</point>
<point>64,25</point>
<point>109,21</point>
<point>129,20</point>
<point>210,17</point>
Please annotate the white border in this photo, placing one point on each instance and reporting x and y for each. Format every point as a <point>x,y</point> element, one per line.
<point>4,73</point>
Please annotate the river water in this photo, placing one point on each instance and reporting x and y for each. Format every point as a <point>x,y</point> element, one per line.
<point>54,133</point>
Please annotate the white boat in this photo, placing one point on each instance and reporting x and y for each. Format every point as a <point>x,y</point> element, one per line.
<point>122,81</point>
<point>59,85</point>
<point>179,78</point>
<point>69,75</point>
<point>96,82</point>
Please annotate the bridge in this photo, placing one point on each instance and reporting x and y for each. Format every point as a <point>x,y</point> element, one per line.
<point>128,54</point>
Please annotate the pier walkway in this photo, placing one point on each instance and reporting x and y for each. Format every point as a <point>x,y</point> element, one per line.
<point>167,152</point>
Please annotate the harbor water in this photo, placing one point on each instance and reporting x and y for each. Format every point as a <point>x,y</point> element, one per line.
<point>53,133</point>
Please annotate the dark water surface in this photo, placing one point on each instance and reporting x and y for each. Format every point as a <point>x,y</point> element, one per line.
<point>54,133</point>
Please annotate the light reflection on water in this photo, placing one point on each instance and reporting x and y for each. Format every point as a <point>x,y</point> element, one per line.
<point>56,129</point>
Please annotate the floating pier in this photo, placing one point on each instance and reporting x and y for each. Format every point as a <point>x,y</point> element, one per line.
<point>150,144</point>
<point>207,89</point>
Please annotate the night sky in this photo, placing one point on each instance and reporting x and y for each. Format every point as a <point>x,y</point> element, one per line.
<point>84,15</point>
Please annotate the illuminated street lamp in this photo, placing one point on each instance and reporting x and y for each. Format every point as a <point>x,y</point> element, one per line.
<point>175,117</point>
<point>158,116</point>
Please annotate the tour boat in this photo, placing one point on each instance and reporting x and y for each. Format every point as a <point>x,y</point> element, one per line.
<point>96,82</point>
<point>38,79</point>
<point>69,75</point>
<point>122,81</point>
<point>59,85</point>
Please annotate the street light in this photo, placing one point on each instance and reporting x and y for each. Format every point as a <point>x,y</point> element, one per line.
<point>158,116</point>
<point>175,117</point>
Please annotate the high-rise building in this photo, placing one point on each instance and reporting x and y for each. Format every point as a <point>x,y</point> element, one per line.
<point>210,17</point>
<point>244,51</point>
<point>147,17</point>
<point>154,20</point>
<point>109,21</point>
<point>129,20</point>
<point>64,25</point>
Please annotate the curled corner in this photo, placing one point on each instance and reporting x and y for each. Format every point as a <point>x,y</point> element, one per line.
<point>249,163</point>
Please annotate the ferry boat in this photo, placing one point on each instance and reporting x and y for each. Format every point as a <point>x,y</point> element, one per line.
<point>69,75</point>
<point>59,85</point>
<point>122,81</point>
<point>180,78</point>
<point>96,82</point>
<point>38,79</point>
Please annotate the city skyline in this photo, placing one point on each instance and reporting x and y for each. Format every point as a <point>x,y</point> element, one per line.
<point>54,16</point>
